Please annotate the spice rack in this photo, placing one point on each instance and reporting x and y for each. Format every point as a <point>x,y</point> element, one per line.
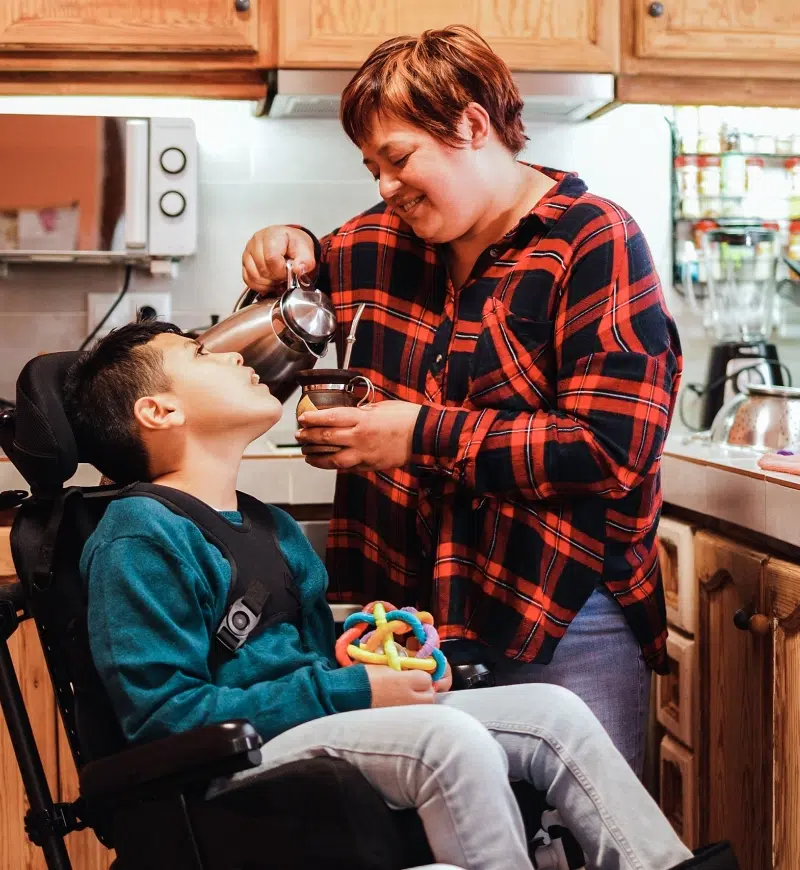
<point>717,182</point>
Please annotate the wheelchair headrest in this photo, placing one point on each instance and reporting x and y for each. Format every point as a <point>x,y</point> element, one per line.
<point>36,435</point>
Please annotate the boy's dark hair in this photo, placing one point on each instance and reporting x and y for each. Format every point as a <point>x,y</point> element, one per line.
<point>100,391</point>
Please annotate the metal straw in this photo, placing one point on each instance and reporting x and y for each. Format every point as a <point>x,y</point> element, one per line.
<point>351,338</point>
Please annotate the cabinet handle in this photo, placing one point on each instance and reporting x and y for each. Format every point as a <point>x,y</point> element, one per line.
<point>757,623</point>
<point>655,10</point>
<point>244,5</point>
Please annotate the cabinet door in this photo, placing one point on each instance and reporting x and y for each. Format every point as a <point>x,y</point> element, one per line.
<point>86,852</point>
<point>16,850</point>
<point>129,26</point>
<point>744,30</point>
<point>576,35</point>
<point>783,582</point>
<point>735,688</point>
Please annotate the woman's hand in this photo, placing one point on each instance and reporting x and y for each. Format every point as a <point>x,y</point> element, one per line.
<point>265,255</point>
<point>373,438</point>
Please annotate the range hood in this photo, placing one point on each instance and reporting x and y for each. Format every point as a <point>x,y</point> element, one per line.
<point>549,97</point>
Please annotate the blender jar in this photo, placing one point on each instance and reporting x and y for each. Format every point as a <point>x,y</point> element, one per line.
<point>740,270</point>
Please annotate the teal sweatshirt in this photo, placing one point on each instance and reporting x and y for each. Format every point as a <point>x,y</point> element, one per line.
<point>157,592</point>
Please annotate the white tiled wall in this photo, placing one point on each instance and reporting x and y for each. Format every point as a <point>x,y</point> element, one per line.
<point>256,171</point>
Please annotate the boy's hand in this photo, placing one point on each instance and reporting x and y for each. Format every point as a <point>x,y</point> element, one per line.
<point>446,683</point>
<point>399,688</point>
<point>265,255</point>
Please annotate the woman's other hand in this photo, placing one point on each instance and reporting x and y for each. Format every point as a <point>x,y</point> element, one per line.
<point>374,438</point>
<point>265,255</point>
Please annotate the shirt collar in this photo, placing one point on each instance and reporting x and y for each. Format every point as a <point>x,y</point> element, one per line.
<point>559,198</point>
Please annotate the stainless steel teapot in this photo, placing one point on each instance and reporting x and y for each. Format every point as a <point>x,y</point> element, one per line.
<point>277,337</point>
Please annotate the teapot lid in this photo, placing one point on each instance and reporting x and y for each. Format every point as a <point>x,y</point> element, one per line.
<point>308,312</point>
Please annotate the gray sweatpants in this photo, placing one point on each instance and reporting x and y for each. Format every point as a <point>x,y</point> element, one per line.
<point>451,761</point>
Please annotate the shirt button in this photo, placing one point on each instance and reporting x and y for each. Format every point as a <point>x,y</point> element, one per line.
<point>494,252</point>
<point>439,359</point>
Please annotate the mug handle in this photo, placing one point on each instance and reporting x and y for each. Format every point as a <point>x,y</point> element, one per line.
<point>367,399</point>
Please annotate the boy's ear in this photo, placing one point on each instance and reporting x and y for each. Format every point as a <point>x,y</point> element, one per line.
<point>162,411</point>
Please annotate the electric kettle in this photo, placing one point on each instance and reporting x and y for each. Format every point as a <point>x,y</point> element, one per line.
<point>279,337</point>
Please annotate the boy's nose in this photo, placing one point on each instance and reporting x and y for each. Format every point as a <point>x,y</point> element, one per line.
<point>237,358</point>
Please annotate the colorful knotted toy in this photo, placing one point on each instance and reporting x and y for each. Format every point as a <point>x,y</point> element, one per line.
<point>386,621</point>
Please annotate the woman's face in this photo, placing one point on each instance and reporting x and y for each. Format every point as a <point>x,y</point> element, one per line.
<point>435,188</point>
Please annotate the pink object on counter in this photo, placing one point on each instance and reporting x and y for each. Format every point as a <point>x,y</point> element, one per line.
<point>784,461</point>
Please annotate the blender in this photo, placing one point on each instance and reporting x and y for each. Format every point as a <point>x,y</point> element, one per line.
<point>740,265</point>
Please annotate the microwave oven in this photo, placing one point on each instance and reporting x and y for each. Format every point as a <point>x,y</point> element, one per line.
<point>97,188</point>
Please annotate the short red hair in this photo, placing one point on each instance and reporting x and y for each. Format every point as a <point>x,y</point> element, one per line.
<point>428,81</point>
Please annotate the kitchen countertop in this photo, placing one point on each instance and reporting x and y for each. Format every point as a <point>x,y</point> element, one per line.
<point>719,482</point>
<point>727,484</point>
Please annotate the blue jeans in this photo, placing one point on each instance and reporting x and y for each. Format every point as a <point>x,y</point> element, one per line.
<point>599,660</point>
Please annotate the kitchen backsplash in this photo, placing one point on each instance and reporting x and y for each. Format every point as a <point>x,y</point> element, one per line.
<point>256,171</point>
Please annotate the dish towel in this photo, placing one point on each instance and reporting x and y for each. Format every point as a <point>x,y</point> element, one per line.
<point>784,460</point>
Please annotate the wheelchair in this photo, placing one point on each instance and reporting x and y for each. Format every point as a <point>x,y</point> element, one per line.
<point>148,801</point>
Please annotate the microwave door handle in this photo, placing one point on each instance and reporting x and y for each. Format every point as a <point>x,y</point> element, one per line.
<point>137,158</point>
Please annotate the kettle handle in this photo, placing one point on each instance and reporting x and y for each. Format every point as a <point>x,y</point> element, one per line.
<point>248,296</point>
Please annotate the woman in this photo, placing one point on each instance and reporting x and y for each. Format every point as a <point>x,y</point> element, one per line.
<point>516,332</point>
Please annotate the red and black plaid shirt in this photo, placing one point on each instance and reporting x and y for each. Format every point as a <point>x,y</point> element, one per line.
<point>547,383</point>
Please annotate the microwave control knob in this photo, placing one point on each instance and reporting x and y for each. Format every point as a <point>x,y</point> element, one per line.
<point>172,160</point>
<point>172,203</point>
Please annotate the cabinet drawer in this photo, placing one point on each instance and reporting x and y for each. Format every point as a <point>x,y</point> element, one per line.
<point>676,555</point>
<point>678,785</point>
<point>676,692</point>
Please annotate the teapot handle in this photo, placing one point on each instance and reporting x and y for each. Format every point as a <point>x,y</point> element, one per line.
<point>249,296</point>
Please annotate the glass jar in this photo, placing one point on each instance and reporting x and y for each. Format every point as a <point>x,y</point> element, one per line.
<point>686,174</point>
<point>710,119</point>
<point>686,122</point>
<point>793,248</point>
<point>754,170</point>
<point>699,231</point>
<point>709,176</point>
<point>792,166</point>
<point>734,174</point>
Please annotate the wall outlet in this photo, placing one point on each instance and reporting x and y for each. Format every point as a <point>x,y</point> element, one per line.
<point>99,303</point>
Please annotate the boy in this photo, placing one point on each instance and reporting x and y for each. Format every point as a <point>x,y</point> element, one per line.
<point>149,404</point>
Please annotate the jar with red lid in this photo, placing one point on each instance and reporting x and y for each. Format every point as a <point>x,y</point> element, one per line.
<point>686,174</point>
<point>709,176</point>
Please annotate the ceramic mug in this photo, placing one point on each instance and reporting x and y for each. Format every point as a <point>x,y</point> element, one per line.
<point>331,388</point>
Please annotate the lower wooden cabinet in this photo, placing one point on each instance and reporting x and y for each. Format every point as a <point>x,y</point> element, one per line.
<point>783,588</point>
<point>730,761</point>
<point>678,789</point>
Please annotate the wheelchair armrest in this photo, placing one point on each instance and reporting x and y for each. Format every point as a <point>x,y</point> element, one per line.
<point>192,756</point>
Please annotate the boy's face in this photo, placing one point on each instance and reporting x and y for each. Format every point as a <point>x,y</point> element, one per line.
<point>215,392</point>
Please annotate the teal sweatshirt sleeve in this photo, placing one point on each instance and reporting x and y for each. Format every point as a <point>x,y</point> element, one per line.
<point>153,605</point>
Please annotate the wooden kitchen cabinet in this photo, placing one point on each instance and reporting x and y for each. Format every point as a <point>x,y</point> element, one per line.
<point>738,30</point>
<point>735,751</point>
<point>150,46</point>
<point>783,585</point>
<point>572,35</point>
<point>732,52</point>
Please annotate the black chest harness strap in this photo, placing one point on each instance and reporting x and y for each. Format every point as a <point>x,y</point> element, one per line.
<point>262,591</point>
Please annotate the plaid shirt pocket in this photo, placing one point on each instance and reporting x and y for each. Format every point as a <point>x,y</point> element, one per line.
<point>513,366</point>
